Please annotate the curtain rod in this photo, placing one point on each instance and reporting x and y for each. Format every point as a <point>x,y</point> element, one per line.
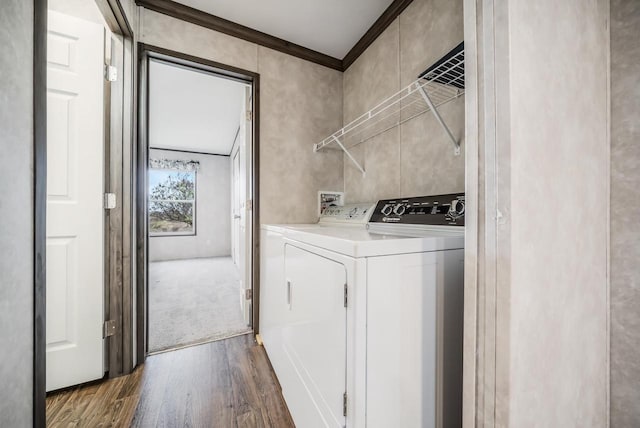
<point>188,151</point>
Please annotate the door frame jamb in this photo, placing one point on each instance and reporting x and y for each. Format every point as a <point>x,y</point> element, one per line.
<point>40,211</point>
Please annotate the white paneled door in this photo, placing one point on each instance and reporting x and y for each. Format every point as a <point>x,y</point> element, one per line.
<point>236,204</point>
<point>246,233</point>
<point>75,225</point>
<point>241,177</point>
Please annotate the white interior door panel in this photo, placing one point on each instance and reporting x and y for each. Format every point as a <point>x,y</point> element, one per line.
<point>75,217</point>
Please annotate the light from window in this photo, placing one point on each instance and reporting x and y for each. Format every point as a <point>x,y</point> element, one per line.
<point>172,200</point>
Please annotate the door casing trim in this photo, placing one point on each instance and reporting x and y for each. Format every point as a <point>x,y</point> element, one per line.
<point>40,212</point>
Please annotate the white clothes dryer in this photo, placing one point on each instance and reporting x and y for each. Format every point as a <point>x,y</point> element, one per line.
<point>363,324</point>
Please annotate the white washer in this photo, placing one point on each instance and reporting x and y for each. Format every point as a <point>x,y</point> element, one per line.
<point>363,325</point>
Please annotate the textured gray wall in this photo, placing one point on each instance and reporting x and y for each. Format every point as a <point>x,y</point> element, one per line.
<point>213,212</point>
<point>625,213</point>
<point>294,114</point>
<point>558,167</point>
<point>538,247</point>
<point>16,211</point>
<point>417,157</point>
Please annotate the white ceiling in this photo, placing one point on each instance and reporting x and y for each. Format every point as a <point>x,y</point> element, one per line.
<point>328,26</point>
<point>191,110</point>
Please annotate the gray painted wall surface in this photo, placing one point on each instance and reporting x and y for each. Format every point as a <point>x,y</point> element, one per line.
<point>213,212</point>
<point>625,213</point>
<point>417,157</point>
<point>556,268</point>
<point>536,282</point>
<point>16,211</point>
<point>294,114</point>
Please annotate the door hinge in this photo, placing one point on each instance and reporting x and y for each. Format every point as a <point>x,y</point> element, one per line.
<point>109,201</point>
<point>109,328</point>
<point>110,73</point>
<point>248,294</point>
<point>249,205</point>
<point>346,295</point>
<point>249,115</point>
<point>344,404</point>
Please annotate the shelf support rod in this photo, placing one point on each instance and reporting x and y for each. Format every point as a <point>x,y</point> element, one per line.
<point>344,149</point>
<point>456,144</point>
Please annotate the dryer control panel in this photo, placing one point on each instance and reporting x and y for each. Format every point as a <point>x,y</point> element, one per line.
<point>350,213</point>
<point>438,210</point>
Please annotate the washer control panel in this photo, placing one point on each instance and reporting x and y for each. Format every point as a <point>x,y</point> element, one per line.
<point>438,210</point>
<point>350,213</point>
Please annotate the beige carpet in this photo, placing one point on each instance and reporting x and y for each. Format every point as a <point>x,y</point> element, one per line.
<point>192,301</point>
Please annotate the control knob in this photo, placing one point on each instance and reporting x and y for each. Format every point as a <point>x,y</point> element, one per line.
<point>400,209</point>
<point>456,210</point>
<point>387,210</point>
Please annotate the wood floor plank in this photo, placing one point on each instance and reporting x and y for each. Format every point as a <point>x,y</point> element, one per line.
<point>255,386</point>
<point>76,401</point>
<point>103,405</point>
<point>226,384</point>
<point>129,405</point>
<point>277,412</point>
<point>177,402</point>
<point>133,384</point>
<point>212,389</point>
<point>55,403</point>
<point>245,395</point>
<point>269,388</point>
<point>154,381</point>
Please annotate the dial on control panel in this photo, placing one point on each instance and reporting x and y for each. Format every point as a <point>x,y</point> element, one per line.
<point>456,210</point>
<point>400,209</point>
<point>387,209</point>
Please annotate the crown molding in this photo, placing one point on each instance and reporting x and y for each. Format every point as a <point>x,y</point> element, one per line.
<point>216,23</point>
<point>198,17</point>
<point>378,27</point>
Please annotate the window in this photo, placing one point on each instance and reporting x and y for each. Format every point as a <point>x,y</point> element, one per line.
<point>172,202</point>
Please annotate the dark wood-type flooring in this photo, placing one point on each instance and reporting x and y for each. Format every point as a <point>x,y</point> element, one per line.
<point>228,383</point>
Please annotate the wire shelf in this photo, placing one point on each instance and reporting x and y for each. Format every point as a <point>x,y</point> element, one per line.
<point>441,83</point>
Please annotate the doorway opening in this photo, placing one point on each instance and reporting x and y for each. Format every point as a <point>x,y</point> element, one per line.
<point>199,136</point>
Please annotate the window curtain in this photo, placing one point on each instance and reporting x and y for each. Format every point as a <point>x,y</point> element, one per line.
<point>176,164</point>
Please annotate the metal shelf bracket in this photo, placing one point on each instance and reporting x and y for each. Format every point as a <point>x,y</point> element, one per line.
<point>344,149</point>
<point>439,84</point>
<point>432,107</point>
